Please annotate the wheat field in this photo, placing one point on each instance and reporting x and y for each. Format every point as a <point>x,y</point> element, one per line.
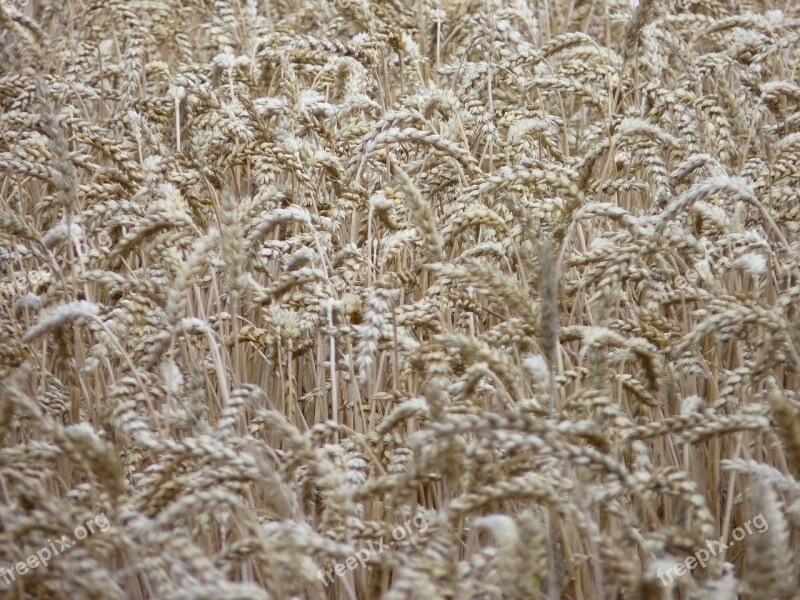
<point>399,299</point>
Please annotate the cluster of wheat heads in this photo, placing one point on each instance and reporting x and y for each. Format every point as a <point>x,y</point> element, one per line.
<point>277,277</point>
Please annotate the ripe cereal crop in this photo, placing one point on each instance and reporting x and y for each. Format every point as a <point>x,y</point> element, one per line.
<point>279,278</point>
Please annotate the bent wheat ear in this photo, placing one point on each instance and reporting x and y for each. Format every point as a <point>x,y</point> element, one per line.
<point>786,421</point>
<point>423,217</point>
<point>61,315</point>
